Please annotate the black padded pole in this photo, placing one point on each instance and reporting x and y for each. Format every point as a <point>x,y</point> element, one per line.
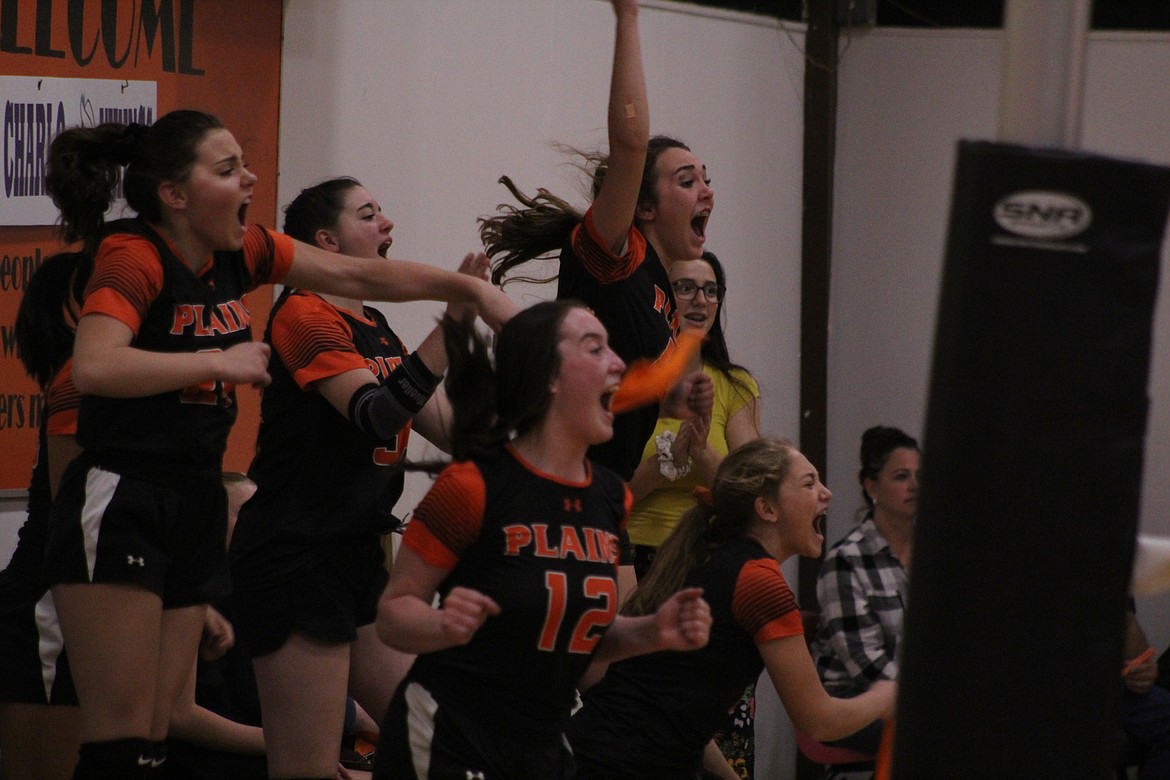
<point>1032,466</point>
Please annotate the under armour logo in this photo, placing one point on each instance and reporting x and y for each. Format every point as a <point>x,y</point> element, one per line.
<point>135,560</point>
<point>469,775</point>
<point>572,504</point>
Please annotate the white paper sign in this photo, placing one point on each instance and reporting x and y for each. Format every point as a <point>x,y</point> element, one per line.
<point>35,110</point>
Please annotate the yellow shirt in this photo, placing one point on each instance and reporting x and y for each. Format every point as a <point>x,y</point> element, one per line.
<point>655,515</point>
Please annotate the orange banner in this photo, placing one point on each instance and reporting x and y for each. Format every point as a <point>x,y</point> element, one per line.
<point>221,56</point>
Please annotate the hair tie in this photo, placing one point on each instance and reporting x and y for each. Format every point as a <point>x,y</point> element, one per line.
<point>704,500</point>
<point>127,144</point>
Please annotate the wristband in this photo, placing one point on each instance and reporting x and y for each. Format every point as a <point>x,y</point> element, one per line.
<point>666,465</point>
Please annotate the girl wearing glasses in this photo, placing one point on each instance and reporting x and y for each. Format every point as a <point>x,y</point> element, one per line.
<point>683,454</point>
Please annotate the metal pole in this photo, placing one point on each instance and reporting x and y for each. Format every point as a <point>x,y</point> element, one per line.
<point>1043,72</point>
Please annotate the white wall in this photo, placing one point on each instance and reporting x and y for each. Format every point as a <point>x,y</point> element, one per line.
<point>906,98</point>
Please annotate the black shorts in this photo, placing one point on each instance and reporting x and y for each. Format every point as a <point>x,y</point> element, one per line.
<point>107,527</point>
<point>421,740</point>
<point>33,666</point>
<point>328,590</point>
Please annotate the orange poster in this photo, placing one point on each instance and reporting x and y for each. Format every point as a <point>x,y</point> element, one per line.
<point>67,62</point>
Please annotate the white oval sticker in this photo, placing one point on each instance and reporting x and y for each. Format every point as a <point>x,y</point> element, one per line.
<point>1043,214</point>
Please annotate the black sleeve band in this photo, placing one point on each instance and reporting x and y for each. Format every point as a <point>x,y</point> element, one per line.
<point>413,383</point>
<point>381,411</point>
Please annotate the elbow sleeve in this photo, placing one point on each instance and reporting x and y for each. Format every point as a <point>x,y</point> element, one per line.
<point>381,411</point>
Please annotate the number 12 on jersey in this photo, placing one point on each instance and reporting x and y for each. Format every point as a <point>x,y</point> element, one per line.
<point>597,588</point>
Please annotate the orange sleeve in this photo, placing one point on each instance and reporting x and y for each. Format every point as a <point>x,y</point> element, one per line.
<point>450,516</point>
<point>763,603</point>
<point>602,264</point>
<point>269,254</point>
<point>62,402</point>
<point>629,504</point>
<point>313,340</point>
<point>127,277</point>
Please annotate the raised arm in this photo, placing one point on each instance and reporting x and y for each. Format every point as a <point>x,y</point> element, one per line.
<point>743,426</point>
<point>434,421</point>
<point>410,392</point>
<point>629,132</point>
<point>395,281</point>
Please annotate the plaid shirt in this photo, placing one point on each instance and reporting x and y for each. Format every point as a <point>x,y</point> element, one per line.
<point>862,589</point>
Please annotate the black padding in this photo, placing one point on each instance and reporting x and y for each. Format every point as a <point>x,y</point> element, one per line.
<point>1032,466</point>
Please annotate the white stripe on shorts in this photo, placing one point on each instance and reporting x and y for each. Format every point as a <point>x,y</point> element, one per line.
<point>49,641</point>
<point>420,727</point>
<point>99,490</point>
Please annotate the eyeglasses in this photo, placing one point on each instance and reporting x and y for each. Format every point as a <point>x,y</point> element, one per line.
<point>685,290</point>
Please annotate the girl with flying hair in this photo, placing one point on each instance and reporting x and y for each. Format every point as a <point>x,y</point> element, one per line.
<point>651,202</point>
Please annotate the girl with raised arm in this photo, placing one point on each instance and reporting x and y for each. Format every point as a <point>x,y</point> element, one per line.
<point>651,203</point>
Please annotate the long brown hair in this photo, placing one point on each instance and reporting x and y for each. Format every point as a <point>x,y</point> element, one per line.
<point>46,319</point>
<point>542,222</point>
<point>725,513</point>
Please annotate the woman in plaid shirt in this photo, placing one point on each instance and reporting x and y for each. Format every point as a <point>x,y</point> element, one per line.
<point>862,586</point>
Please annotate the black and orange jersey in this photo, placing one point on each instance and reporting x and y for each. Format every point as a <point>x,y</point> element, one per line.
<point>21,582</point>
<point>317,474</point>
<point>545,550</point>
<point>632,297</point>
<point>664,707</point>
<point>140,280</point>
